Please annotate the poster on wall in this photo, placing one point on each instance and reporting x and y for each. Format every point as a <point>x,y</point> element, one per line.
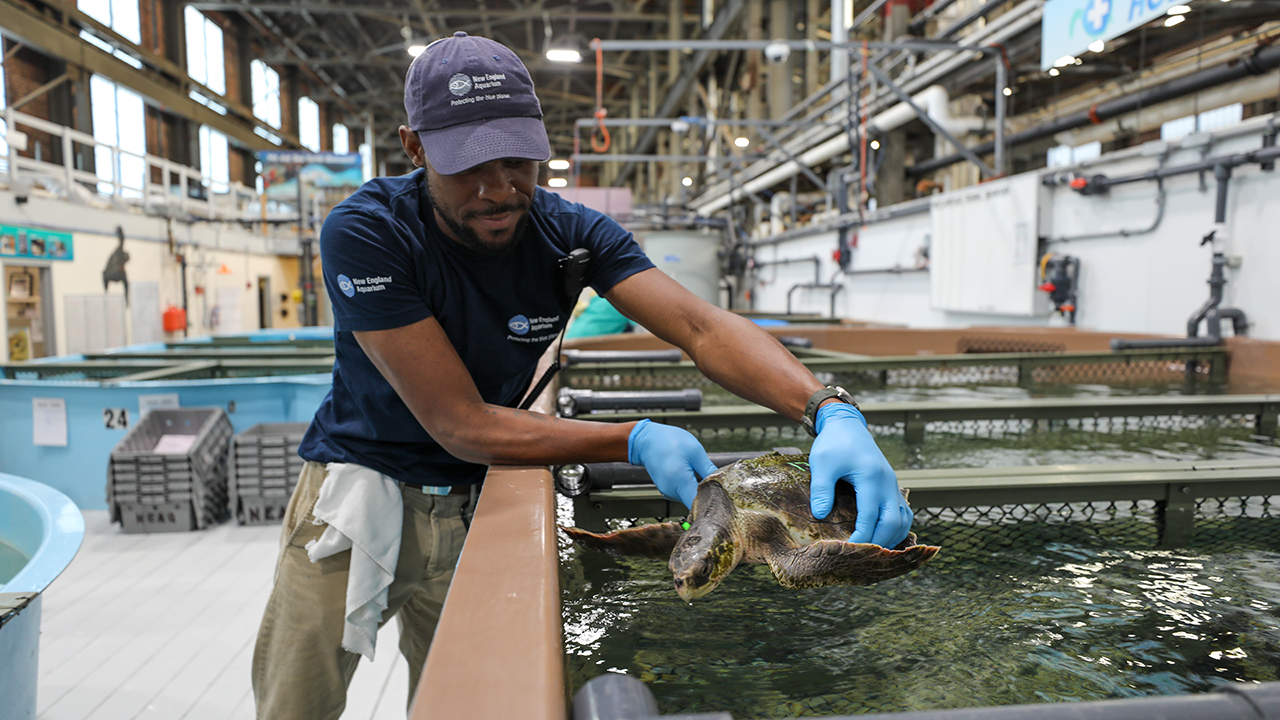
<point>320,172</point>
<point>24,242</point>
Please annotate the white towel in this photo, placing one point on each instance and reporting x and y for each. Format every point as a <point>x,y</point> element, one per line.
<point>364,511</point>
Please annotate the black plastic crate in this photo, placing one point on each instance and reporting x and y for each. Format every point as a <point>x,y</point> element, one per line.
<point>172,457</point>
<point>264,470</point>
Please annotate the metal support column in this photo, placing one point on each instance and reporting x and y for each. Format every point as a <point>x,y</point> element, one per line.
<point>933,124</point>
<point>1176,516</point>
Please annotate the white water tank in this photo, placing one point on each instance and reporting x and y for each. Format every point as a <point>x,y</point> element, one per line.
<point>688,256</point>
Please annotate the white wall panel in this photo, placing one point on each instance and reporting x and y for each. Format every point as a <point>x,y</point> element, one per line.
<point>984,255</point>
<point>1135,282</point>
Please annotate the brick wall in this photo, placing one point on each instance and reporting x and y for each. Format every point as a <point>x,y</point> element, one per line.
<point>24,72</point>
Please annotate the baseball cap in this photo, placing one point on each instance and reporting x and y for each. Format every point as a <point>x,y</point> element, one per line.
<point>471,100</point>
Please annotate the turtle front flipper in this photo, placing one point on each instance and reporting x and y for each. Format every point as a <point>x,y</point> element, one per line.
<point>832,562</point>
<point>651,541</point>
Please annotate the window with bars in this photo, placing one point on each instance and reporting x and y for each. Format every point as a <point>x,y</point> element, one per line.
<point>119,127</point>
<point>1202,122</point>
<point>214,156</point>
<point>265,83</point>
<point>309,124</point>
<point>119,15</point>
<point>206,62</point>
<point>341,138</point>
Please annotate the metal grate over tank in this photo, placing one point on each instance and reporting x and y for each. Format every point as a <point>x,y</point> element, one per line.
<point>1020,369</point>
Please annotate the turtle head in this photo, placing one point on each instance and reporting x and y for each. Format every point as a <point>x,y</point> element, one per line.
<point>707,551</point>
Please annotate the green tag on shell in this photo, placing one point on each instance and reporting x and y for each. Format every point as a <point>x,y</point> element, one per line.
<point>685,525</point>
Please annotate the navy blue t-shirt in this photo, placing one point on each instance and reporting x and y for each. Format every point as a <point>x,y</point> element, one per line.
<point>384,268</point>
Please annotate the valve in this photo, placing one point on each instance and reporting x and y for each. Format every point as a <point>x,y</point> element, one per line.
<point>1060,276</point>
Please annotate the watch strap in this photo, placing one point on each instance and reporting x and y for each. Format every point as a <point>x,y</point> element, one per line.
<point>810,419</point>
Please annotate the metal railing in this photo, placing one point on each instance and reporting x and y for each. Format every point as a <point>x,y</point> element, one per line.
<point>1019,369</point>
<point>913,420</point>
<point>181,188</point>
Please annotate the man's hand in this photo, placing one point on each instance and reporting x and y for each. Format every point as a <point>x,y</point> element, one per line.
<point>845,450</point>
<point>674,458</point>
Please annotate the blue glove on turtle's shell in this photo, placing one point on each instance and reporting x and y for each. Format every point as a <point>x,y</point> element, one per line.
<point>844,450</point>
<point>676,461</point>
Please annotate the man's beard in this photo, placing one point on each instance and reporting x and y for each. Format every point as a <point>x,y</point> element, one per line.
<point>467,236</point>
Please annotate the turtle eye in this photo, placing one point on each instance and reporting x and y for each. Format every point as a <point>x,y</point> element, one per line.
<point>693,540</point>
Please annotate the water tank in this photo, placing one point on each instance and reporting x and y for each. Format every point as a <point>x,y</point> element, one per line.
<point>688,256</point>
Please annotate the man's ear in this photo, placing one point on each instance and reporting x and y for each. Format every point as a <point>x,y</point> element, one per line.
<point>412,146</point>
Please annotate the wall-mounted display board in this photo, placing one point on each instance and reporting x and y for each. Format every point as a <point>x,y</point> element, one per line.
<point>24,242</point>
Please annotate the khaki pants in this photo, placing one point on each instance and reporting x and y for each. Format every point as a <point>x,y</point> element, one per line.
<point>299,667</point>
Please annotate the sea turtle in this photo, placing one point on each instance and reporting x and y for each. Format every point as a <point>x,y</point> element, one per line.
<point>757,511</point>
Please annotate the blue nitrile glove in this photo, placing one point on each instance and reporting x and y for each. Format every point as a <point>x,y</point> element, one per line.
<point>845,450</point>
<point>673,456</point>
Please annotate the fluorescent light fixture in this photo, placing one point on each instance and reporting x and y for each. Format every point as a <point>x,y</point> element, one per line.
<point>563,55</point>
<point>1064,61</point>
<point>416,50</point>
<point>1174,20</point>
<point>1179,10</point>
<point>687,181</point>
<point>557,182</point>
<point>1097,46</point>
<point>741,142</point>
<point>558,164</point>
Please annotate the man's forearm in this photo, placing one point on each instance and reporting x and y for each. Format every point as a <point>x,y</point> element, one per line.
<point>747,361</point>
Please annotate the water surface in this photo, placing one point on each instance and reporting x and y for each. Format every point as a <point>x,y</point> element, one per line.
<point>1033,613</point>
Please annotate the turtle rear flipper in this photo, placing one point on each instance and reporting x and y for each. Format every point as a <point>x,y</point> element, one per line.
<point>832,562</point>
<point>651,541</point>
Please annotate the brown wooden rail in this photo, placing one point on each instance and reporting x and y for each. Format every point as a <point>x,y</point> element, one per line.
<point>498,651</point>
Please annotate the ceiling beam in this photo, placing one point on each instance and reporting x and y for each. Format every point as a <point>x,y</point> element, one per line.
<point>476,14</point>
<point>725,19</point>
<point>168,93</point>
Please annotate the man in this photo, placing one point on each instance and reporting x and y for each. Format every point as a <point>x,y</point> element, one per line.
<point>447,288</point>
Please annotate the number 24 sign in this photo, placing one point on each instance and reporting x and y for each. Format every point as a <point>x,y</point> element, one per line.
<point>115,418</point>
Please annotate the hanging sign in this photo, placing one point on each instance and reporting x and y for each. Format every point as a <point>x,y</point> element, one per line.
<point>1068,26</point>
<point>27,242</point>
<point>282,168</point>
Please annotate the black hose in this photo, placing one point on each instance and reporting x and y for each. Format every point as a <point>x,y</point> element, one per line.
<point>1259,63</point>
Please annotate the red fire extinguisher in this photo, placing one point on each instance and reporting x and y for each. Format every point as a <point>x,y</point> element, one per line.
<point>175,319</point>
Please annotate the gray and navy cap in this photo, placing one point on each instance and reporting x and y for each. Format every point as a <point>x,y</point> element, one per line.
<point>471,100</point>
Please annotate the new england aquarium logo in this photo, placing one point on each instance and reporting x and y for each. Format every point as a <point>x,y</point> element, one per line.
<point>460,84</point>
<point>1095,18</point>
<point>346,286</point>
<point>519,325</point>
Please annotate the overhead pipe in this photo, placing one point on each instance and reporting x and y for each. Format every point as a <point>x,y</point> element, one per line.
<point>1013,22</point>
<point>917,25</point>
<point>966,21</point>
<point>724,19</point>
<point>934,100</point>
<point>1248,90</point>
<point>1259,63</point>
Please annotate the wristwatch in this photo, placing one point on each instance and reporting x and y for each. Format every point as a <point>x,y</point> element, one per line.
<point>810,419</point>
